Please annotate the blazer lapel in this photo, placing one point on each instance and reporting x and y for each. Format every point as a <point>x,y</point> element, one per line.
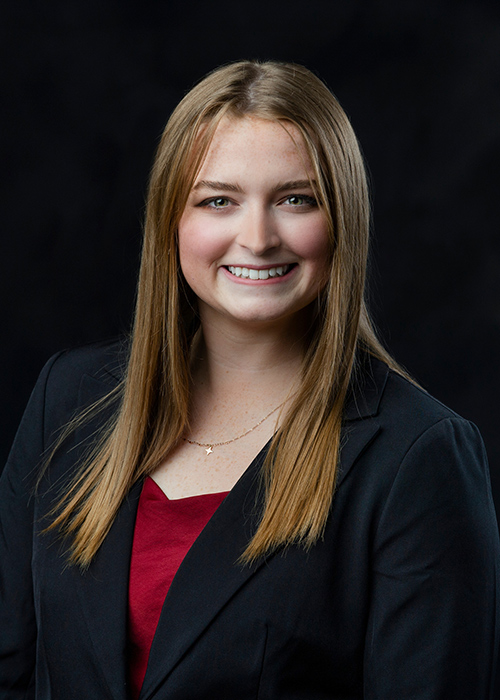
<point>366,389</point>
<point>206,579</point>
<point>103,592</point>
<point>103,589</point>
<point>360,426</point>
<point>356,438</point>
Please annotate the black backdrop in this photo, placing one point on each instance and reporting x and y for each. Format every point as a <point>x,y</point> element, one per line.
<point>88,84</point>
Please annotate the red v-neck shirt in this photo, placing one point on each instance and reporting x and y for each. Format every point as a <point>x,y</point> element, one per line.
<point>164,532</point>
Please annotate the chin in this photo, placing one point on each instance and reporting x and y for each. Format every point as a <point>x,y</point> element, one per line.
<point>270,317</point>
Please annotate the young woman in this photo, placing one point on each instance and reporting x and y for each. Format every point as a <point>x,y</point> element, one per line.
<point>250,499</point>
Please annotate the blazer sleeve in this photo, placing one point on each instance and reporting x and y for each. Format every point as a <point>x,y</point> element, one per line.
<point>434,622</point>
<point>17,614</point>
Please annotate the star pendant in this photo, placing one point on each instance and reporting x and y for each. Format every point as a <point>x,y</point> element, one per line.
<point>209,450</point>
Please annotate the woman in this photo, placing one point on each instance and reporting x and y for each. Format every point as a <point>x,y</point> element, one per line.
<point>357,555</point>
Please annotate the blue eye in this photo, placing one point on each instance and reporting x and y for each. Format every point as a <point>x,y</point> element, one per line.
<point>300,200</point>
<point>218,202</point>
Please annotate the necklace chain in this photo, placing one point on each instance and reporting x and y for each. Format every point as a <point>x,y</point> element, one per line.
<point>210,445</point>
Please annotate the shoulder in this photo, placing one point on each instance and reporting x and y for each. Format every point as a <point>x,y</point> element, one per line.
<point>409,400</point>
<point>423,461</point>
<point>70,381</point>
<point>407,419</point>
<point>429,445</point>
<point>105,361</point>
<point>424,425</point>
<point>75,378</point>
<point>393,398</point>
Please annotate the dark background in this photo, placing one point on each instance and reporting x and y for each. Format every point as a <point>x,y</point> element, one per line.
<point>88,84</point>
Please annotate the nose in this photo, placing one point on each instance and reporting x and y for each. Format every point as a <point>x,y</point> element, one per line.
<point>258,231</point>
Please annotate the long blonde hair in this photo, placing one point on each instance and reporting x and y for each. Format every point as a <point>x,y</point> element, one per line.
<point>300,468</point>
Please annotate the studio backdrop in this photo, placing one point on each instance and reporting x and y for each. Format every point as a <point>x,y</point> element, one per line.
<point>87,86</point>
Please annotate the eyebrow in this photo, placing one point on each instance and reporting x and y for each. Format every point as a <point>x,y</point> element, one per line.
<point>216,185</point>
<point>228,187</point>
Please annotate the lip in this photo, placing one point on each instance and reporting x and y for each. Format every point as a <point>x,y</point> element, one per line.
<point>259,282</point>
<point>259,267</point>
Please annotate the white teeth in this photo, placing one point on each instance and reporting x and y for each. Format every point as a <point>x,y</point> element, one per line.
<point>253,274</point>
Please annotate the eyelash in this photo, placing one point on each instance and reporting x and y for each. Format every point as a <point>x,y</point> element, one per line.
<point>208,202</point>
<point>308,201</point>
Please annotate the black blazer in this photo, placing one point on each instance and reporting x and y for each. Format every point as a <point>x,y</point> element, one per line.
<point>399,601</point>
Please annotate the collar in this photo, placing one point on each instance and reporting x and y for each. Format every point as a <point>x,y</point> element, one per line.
<point>367,386</point>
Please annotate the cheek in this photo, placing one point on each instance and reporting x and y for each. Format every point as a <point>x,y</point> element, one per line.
<point>200,246</point>
<point>313,244</point>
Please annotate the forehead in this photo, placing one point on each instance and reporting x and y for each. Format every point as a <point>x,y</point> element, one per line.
<point>241,142</point>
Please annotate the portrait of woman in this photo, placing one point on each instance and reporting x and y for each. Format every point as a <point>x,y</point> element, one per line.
<point>248,498</point>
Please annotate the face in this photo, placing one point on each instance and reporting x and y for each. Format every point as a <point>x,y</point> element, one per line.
<point>253,243</point>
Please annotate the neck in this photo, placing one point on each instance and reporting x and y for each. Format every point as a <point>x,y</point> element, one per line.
<point>234,358</point>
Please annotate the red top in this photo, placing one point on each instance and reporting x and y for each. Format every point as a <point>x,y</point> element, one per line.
<point>164,532</point>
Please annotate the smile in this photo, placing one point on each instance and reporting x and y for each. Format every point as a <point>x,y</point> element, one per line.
<point>253,274</point>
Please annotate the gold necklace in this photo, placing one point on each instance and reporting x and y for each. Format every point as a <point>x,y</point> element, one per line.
<point>209,446</point>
